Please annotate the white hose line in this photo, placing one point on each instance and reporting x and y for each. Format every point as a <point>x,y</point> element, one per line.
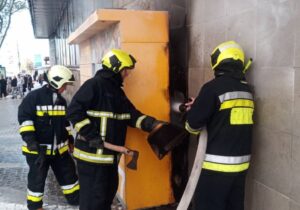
<point>195,173</point>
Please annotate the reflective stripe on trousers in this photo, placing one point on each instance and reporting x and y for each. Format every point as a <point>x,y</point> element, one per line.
<point>228,164</point>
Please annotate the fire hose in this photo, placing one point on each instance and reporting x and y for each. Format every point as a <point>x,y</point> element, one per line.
<point>195,173</point>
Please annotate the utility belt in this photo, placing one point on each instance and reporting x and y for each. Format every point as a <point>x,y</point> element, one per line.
<point>99,158</point>
<point>83,152</point>
<point>51,150</point>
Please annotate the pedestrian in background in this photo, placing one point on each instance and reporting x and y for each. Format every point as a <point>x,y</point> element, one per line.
<point>41,79</point>
<point>20,83</point>
<point>225,106</point>
<point>48,138</point>
<point>8,87</point>
<point>3,84</point>
<point>24,86</point>
<point>14,84</point>
<point>30,83</point>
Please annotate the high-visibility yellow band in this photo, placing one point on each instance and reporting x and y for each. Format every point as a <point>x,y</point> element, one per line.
<point>225,167</point>
<point>63,149</point>
<point>123,116</point>
<point>191,130</point>
<point>34,199</point>
<point>237,103</point>
<point>93,158</point>
<point>27,128</point>
<point>241,116</point>
<point>51,113</point>
<point>81,124</point>
<point>139,121</point>
<point>26,150</point>
<point>72,190</point>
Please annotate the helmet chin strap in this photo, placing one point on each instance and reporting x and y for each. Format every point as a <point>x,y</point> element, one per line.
<point>52,88</point>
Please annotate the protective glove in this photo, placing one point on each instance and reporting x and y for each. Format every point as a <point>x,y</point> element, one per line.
<point>96,143</point>
<point>32,144</point>
<point>157,124</point>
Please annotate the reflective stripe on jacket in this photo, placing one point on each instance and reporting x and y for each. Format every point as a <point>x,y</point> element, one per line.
<point>42,117</point>
<point>225,105</point>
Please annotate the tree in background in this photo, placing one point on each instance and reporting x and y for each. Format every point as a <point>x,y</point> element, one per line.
<point>7,9</point>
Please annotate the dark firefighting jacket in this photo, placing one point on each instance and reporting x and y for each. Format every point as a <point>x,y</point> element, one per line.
<point>225,106</point>
<point>42,118</point>
<point>100,108</point>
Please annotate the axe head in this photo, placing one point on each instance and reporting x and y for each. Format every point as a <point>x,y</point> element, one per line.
<point>165,138</point>
<point>133,162</point>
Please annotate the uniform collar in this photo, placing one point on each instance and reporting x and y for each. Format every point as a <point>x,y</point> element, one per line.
<point>111,76</point>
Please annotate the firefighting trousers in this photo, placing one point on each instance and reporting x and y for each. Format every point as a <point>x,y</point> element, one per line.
<point>220,192</point>
<point>98,185</point>
<point>65,173</point>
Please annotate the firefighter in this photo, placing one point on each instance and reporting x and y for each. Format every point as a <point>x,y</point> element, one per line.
<point>48,139</point>
<point>100,112</point>
<point>225,106</point>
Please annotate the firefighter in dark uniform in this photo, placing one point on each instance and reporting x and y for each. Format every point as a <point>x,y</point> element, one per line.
<point>100,112</point>
<point>225,106</point>
<point>48,139</point>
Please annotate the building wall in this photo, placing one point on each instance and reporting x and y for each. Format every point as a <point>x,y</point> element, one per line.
<point>269,32</point>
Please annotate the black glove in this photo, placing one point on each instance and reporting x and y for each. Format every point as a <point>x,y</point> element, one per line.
<point>96,143</point>
<point>150,123</point>
<point>32,144</point>
<point>40,161</point>
<point>157,123</point>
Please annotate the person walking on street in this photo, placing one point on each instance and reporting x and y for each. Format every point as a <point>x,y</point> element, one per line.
<point>48,138</point>
<point>3,85</point>
<point>100,112</point>
<point>8,87</point>
<point>30,83</point>
<point>225,106</point>
<point>24,86</point>
<point>20,83</point>
<point>14,84</point>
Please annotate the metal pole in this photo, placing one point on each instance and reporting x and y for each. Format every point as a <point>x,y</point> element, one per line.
<point>18,52</point>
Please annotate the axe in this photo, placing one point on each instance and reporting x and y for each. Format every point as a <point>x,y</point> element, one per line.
<point>124,150</point>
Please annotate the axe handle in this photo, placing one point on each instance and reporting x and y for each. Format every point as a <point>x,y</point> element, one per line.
<point>117,148</point>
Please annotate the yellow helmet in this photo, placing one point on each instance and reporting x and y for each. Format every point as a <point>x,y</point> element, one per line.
<point>58,75</point>
<point>117,60</point>
<point>229,51</point>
